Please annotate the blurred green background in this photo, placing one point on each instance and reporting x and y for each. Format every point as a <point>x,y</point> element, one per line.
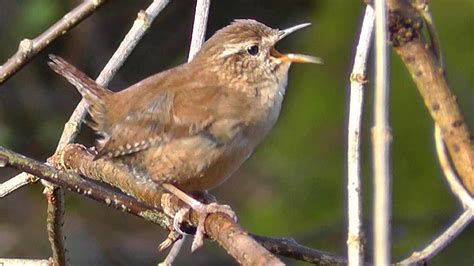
<point>293,186</point>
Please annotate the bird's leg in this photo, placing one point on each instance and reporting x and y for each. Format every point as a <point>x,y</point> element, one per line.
<point>202,210</point>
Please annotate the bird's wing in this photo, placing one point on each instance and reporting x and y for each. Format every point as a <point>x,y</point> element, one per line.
<point>173,114</point>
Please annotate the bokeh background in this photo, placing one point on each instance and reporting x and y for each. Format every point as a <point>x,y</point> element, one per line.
<point>294,184</point>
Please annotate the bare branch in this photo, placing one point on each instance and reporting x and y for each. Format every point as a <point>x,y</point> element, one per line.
<point>29,48</point>
<point>355,234</point>
<point>440,242</point>
<point>15,183</point>
<point>199,27</point>
<point>381,141</point>
<point>456,187</point>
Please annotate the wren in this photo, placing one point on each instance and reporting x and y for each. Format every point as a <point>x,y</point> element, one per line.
<point>192,126</point>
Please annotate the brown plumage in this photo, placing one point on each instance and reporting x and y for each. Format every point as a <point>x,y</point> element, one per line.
<point>195,124</point>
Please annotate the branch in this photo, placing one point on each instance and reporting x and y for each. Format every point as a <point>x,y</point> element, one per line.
<point>55,219</point>
<point>355,234</point>
<point>29,48</point>
<point>381,141</point>
<point>425,70</point>
<point>291,249</point>
<point>219,226</point>
<point>15,183</point>
<point>440,242</point>
<point>199,26</point>
<point>456,187</point>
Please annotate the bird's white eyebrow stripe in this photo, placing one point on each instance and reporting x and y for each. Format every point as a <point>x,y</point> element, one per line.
<point>235,48</point>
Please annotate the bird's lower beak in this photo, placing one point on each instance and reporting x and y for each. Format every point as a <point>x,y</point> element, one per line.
<point>297,58</point>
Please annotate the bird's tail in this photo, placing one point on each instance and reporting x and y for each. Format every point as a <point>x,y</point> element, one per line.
<point>95,94</point>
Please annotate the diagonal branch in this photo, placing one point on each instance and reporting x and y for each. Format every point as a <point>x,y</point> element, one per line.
<point>29,48</point>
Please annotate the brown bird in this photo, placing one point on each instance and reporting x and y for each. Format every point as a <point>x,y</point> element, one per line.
<point>191,127</point>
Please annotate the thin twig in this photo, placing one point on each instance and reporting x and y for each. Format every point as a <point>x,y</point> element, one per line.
<point>355,234</point>
<point>24,262</point>
<point>381,141</point>
<point>425,70</point>
<point>29,48</point>
<point>456,187</point>
<point>290,248</point>
<point>441,241</point>
<point>15,183</point>
<point>173,253</point>
<point>423,8</point>
<point>199,27</point>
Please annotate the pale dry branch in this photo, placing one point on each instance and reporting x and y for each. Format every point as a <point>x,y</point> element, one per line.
<point>381,139</point>
<point>54,221</point>
<point>422,257</point>
<point>355,232</point>
<point>199,27</point>
<point>29,48</point>
<point>456,187</point>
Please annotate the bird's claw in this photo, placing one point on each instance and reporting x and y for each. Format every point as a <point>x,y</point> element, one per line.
<point>203,210</point>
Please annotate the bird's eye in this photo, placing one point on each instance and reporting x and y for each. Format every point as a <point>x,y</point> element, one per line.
<point>252,49</point>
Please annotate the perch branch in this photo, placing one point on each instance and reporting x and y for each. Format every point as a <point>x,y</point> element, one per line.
<point>219,224</point>
<point>381,141</point>
<point>428,75</point>
<point>440,242</point>
<point>29,48</point>
<point>355,234</point>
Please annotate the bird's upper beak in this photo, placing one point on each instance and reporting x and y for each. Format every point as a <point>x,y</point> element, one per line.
<point>297,58</point>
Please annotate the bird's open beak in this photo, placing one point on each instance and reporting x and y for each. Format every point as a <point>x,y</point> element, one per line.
<point>297,58</point>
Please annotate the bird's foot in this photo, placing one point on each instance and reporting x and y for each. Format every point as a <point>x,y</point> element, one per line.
<point>202,210</point>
